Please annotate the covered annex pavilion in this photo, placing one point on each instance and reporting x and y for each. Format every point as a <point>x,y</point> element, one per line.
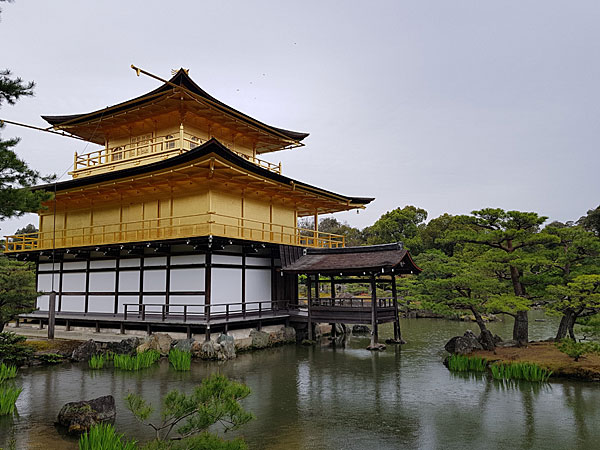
<point>372,265</point>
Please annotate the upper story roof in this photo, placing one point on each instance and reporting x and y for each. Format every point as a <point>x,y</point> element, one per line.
<point>179,94</point>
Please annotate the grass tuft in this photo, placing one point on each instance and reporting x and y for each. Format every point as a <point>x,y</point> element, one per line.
<point>8,398</point>
<point>103,436</point>
<point>180,359</point>
<point>7,372</point>
<point>137,362</point>
<point>520,371</point>
<point>463,363</point>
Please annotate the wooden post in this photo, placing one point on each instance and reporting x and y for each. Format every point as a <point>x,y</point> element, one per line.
<point>316,227</point>
<point>207,292</point>
<point>375,331</point>
<point>397,330</point>
<point>51,314</point>
<point>309,301</point>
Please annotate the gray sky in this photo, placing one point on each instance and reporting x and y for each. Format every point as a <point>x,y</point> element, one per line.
<point>447,105</point>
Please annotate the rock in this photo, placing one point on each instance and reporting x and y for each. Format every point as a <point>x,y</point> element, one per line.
<point>185,345</point>
<point>221,351</point>
<point>497,339</point>
<point>463,345</point>
<point>395,341</point>
<point>275,337</point>
<point>160,342</point>
<point>308,342</point>
<point>341,328</point>
<point>85,351</point>
<point>376,347</point>
<point>360,329</point>
<point>260,339</point>
<point>289,334</point>
<point>78,417</point>
<point>124,346</point>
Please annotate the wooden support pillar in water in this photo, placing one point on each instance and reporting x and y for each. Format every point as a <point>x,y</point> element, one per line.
<point>51,315</point>
<point>375,332</point>
<point>397,330</point>
<point>309,301</point>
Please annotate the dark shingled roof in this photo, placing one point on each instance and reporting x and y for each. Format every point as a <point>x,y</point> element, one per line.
<point>354,260</point>
<point>181,78</point>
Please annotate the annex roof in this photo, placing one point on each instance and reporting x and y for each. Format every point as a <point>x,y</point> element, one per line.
<point>79,124</point>
<point>385,258</point>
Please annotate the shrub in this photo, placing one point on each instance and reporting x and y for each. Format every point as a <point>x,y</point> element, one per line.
<point>137,362</point>
<point>8,398</point>
<point>576,349</point>
<point>104,437</point>
<point>180,360</point>
<point>13,350</point>
<point>50,358</point>
<point>463,363</point>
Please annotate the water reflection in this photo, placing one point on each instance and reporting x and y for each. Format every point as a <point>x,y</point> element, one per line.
<point>340,396</point>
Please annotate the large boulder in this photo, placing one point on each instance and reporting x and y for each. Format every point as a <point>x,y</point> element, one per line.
<point>222,349</point>
<point>159,342</point>
<point>463,345</point>
<point>260,339</point>
<point>85,351</point>
<point>289,334</point>
<point>185,345</point>
<point>124,346</point>
<point>78,417</point>
<point>361,329</point>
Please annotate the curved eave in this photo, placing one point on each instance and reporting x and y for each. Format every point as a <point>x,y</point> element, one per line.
<point>211,147</point>
<point>181,78</point>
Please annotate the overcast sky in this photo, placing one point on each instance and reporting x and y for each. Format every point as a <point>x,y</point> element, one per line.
<point>447,105</point>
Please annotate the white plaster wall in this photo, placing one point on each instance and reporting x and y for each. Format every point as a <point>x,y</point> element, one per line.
<point>129,281</point>
<point>187,279</point>
<point>226,259</point>
<point>73,282</point>
<point>103,264</point>
<point>102,282</point>
<point>226,288</point>
<point>188,259</point>
<point>45,282</point>
<point>155,280</point>
<point>42,302</point>
<point>133,262</point>
<point>73,265</point>
<point>127,299</point>
<point>251,261</point>
<point>101,303</point>
<point>73,303</point>
<point>156,261</point>
<point>258,287</point>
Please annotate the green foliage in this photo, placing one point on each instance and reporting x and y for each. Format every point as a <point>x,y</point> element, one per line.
<point>50,358</point>
<point>591,221</point>
<point>464,363</point>
<point>520,371</point>
<point>215,402</point>
<point>137,362</point>
<point>97,361</point>
<point>398,225</point>
<point>204,441</point>
<point>180,360</point>
<point>13,350</point>
<point>575,349</point>
<point>7,372</point>
<point>8,398</point>
<point>17,289</point>
<point>104,437</point>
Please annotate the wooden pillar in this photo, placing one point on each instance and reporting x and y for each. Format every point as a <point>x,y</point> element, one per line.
<point>309,301</point>
<point>316,228</point>
<point>207,292</point>
<point>397,330</point>
<point>51,314</point>
<point>375,331</point>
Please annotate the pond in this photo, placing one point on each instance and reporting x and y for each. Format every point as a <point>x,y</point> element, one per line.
<point>340,396</point>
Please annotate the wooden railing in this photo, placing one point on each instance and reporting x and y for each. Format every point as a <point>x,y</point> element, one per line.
<point>173,227</point>
<point>351,302</point>
<point>149,150</point>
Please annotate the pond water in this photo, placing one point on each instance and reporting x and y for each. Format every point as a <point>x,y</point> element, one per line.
<point>342,397</point>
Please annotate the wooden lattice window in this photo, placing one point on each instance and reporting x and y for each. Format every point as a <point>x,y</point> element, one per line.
<point>140,145</point>
<point>170,141</point>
